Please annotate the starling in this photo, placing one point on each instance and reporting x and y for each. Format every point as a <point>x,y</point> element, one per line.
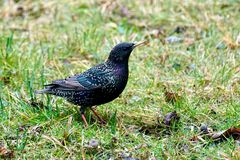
<point>99,84</point>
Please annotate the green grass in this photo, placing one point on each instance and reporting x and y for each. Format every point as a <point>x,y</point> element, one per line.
<point>43,41</point>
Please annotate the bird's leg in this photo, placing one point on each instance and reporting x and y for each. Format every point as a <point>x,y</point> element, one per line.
<point>84,120</point>
<point>83,117</point>
<point>96,114</point>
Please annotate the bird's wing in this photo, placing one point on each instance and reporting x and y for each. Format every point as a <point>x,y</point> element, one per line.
<point>94,78</point>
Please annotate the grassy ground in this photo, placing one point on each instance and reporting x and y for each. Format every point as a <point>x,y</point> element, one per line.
<point>41,41</point>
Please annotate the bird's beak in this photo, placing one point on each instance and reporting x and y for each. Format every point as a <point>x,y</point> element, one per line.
<point>140,44</point>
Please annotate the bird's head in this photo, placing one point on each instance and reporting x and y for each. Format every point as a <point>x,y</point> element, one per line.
<point>121,52</point>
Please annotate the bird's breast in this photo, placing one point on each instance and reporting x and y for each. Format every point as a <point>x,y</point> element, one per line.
<point>120,80</point>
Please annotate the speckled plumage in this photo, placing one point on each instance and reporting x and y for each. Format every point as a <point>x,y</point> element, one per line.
<point>98,85</point>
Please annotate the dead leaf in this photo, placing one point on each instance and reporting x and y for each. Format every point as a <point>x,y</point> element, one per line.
<point>170,118</point>
<point>207,133</point>
<point>171,97</point>
<point>4,153</point>
<point>223,135</point>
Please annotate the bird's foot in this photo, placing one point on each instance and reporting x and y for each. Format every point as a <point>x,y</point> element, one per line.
<point>99,118</point>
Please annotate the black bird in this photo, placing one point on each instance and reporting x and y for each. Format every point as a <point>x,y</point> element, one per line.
<point>98,85</point>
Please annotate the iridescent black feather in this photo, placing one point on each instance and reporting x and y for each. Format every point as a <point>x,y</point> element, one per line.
<point>98,85</point>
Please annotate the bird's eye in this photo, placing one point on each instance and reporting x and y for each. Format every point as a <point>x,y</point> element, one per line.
<point>125,48</point>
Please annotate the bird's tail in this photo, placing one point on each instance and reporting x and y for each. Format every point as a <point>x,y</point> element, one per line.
<point>46,90</point>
